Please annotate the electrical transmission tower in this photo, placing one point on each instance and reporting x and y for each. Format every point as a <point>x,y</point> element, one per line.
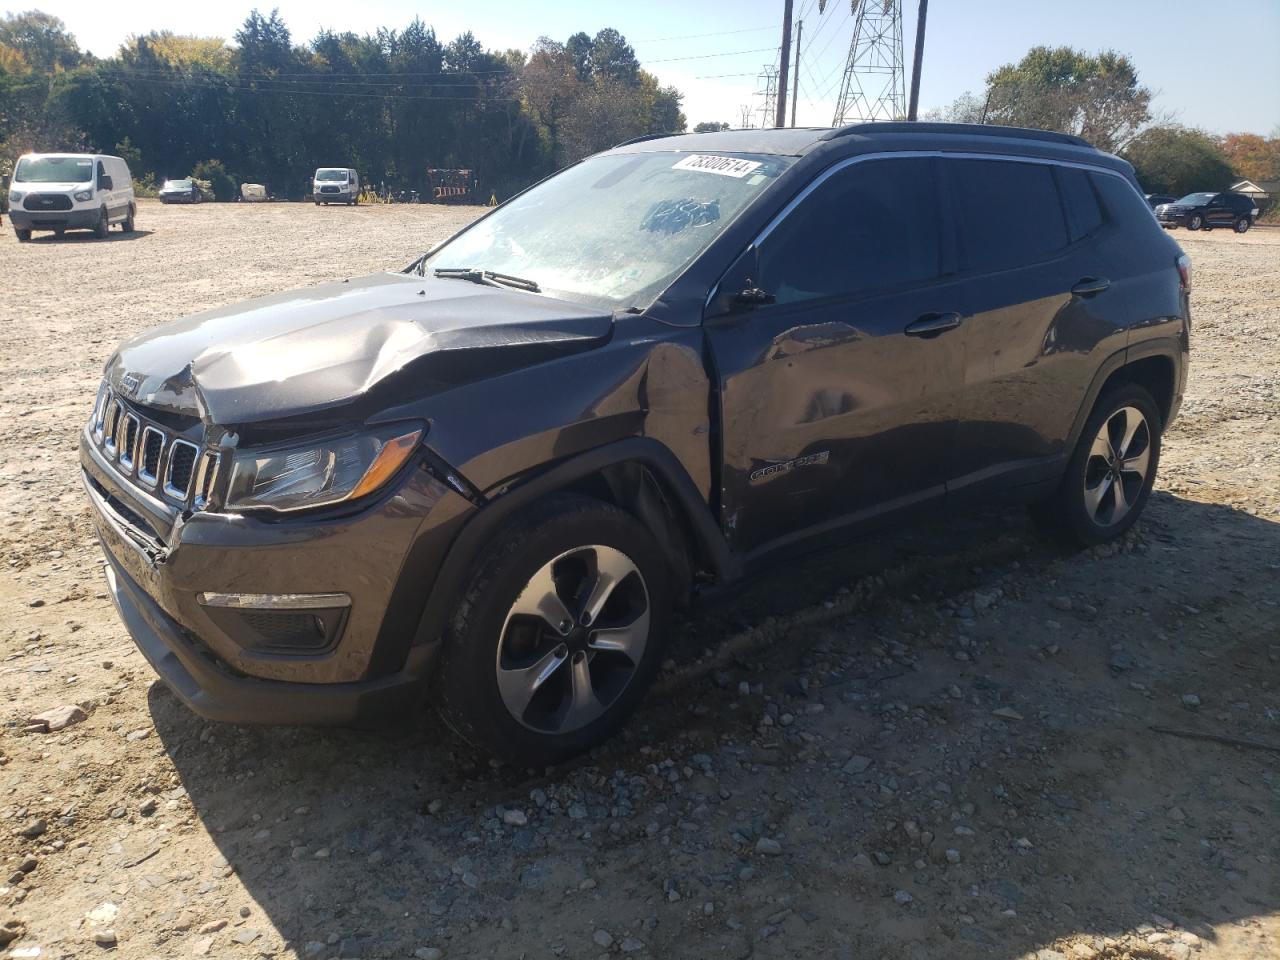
<point>873,87</point>
<point>768,77</point>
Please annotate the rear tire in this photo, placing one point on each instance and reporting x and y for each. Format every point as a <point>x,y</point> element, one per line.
<point>528,672</point>
<point>24,236</point>
<point>103,224</point>
<point>1195,222</point>
<point>1242,225</point>
<point>1109,477</point>
<point>128,225</point>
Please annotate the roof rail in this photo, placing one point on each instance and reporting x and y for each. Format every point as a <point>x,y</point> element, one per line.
<point>647,136</point>
<point>967,129</point>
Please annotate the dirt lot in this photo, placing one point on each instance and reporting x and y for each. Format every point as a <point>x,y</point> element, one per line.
<point>935,745</point>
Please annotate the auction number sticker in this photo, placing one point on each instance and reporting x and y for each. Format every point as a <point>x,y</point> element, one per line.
<point>725,166</point>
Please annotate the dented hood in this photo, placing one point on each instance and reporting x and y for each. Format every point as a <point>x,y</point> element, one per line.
<point>333,344</point>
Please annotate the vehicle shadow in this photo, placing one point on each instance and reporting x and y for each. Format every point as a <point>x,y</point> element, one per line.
<point>86,236</point>
<point>373,845</point>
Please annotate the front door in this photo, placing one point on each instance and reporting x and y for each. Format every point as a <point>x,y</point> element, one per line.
<point>838,385</point>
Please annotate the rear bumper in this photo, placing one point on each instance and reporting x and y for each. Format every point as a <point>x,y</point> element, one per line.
<point>55,219</point>
<point>213,691</point>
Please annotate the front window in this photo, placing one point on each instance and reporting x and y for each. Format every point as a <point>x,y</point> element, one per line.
<point>614,230</point>
<point>1196,199</point>
<point>177,185</point>
<point>335,175</point>
<point>53,170</point>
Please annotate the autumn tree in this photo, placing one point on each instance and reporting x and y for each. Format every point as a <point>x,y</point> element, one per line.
<point>1252,155</point>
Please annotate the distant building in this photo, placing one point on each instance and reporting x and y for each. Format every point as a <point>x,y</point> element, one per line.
<point>1265,193</point>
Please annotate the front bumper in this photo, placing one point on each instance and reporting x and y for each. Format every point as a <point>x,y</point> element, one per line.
<point>382,557</point>
<point>333,197</point>
<point>210,689</point>
<point>55,219</point>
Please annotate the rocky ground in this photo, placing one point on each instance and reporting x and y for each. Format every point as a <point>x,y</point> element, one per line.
<point>953,742</point>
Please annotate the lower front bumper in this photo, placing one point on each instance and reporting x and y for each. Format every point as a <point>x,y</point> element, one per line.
<point>213,691</point>
<point>55,219</point>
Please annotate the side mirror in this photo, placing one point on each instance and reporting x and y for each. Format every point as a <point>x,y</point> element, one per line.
<point>738,290</point>
<point>104,182</point>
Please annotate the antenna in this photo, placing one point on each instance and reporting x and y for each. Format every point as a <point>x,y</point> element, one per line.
<point>873,86</point>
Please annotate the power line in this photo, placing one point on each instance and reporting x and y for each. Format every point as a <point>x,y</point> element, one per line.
<point>697,36</point>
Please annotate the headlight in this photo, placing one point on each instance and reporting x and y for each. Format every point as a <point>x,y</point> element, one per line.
<point>15,196</point>
<point>321,473</point>
<point>83,195</point>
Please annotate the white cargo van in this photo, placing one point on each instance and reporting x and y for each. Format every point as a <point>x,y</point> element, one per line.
<point>336,185</point>
<point>70,191</point>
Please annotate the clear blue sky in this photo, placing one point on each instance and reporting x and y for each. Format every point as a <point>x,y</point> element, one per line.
<point>1172,42</point>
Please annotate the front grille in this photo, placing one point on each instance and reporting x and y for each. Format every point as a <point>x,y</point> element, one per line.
<point>330,190</point>
<point>150,455</point>
<point>47,201</point>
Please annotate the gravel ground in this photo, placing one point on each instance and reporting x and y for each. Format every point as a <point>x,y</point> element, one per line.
<point>935,744</point>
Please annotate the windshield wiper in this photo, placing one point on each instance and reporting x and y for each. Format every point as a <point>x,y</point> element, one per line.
<point>489,277</point>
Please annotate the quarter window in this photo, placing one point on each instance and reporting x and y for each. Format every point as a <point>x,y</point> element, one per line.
<point>1008,212</point>
<point>871,226</point>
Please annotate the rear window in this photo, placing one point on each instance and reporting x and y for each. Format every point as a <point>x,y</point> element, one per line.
<point>1009,213</point>
<point>1084,215</point>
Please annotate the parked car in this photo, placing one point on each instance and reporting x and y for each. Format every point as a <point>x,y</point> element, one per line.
<point>180,191</point>
<point>490,477</point>
<point>336,185</point>
<point>1207,210</point>
<point>1155,199</point>
<point>77,191</point>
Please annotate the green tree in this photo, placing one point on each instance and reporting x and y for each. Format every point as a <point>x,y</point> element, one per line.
<point>43,41</point>
<point>710,126</point>
<point>1094,96</point>
<point>1178,161</point>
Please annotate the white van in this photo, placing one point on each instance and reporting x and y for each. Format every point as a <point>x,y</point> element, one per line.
<point>70,191</point>
<point>335,185</point>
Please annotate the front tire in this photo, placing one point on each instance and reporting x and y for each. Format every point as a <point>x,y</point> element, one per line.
<point>559,634</point>
<point>24,236</point>
<point>1195,222</point>
<point>103,224</point>
<point>1109,477</point>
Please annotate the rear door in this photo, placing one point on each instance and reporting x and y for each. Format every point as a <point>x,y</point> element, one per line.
<point>1220,212</point>
<point>838,394</point>
<point>1036,293</point>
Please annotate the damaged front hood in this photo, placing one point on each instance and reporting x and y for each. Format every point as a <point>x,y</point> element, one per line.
<point>332,344</point>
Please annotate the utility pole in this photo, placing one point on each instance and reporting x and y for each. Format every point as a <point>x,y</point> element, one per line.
<point>795,81</point>
<point>915,68</point>
<point>784,62</point>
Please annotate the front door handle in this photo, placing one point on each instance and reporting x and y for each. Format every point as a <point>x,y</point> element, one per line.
<point>1090,286</point>
<point>932,324</point>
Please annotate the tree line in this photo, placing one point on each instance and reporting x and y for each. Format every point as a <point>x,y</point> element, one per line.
<point>266,109</point>
<point>1099,97</point>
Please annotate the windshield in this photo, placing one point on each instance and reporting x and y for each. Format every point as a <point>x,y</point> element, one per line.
<point>177,185</point>
<point>54,170</point>
<point>614,230</point>
<point>1195,199</point>
<point>331,175</point>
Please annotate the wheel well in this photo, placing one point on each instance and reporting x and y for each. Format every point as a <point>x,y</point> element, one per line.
<point>1155,375</point>
<point>646,495</point>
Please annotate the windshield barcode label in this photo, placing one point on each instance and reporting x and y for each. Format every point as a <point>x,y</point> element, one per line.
<point>725,166</point>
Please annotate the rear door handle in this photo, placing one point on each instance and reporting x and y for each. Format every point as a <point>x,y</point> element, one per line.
<point>932,324</point>
<point>1090,286</point>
